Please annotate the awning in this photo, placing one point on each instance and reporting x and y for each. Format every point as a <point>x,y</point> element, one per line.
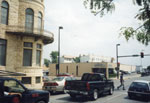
<point>8,73</point>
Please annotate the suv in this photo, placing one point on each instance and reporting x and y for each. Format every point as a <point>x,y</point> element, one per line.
<point>13,91</point>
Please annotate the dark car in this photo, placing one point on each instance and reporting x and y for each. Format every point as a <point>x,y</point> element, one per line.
<point>13,91</point>
<point>91,85</point>
<point>139,89</point>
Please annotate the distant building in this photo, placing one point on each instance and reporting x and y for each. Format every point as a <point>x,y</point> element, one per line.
<point>67,59</point>
<point>78,69</point>
<point>94,58</point>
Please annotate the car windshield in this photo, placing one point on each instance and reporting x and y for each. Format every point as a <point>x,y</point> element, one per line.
<point>58,79</point>
<point>139,85</point>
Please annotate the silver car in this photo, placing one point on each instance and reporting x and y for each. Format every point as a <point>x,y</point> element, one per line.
<point>57,84</point>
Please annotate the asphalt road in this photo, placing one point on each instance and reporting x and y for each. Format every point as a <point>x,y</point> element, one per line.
<point>119,96</point>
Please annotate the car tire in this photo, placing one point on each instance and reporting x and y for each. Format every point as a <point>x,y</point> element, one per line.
<point>72,95</point>
<point>130,96</point>
<point>95,94</point>
<point>111,91</point>
<point>41,101</point>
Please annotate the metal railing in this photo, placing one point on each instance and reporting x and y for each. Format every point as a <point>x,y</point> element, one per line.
<point>29,31</point>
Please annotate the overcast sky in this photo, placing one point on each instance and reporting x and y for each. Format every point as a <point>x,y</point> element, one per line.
<point>84,33</point>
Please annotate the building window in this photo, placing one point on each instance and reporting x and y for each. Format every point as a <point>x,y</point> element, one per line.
<point>4,12</point>
<point>27,54</point>
<point>40,21</point>
<point>2,52</point>
<point>38,79</point>
<point>29,20</point>
<point>38,54</point>
<point>26,80</point>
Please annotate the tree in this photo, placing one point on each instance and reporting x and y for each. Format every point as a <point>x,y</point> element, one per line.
<point>142,33</point>
<point>148,68</point>
<point>54,55</point>
<point>46,62</point>
<point>77,60</point>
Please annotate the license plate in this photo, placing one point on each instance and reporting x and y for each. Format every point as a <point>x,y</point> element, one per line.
<point>139,95</point>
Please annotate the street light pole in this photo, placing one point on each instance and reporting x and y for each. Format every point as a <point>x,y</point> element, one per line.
<point>60,27</point>
<point>117,60</point>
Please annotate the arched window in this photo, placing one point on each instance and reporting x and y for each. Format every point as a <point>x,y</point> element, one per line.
<point>29,20</point>
<point>40,20</point>
<point>4,12</point>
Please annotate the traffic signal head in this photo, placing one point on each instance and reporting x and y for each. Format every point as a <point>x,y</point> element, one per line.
<point>142,55</point>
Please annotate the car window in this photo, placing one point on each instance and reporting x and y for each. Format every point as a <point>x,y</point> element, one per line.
<point>13,86</point>
<point>58,79</point>
<point>139,85</point>
<point>68,78</point>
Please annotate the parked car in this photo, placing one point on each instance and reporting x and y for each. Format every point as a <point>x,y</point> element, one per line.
<point>13,91</point>
<point>57,84</point>
<point>65,74</point>
<point>91,84</point>
<point>139,89</point>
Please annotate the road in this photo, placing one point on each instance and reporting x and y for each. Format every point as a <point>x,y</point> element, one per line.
<point>119,96</point>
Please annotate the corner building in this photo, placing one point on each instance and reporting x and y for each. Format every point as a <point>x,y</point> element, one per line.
<point>22,37</point>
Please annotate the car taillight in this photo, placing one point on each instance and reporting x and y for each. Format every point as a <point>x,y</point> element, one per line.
<point>35,95</point>
<point>15,100</point>
<point>54,84</point>
<point>88,86</point>
<point>65,83</point>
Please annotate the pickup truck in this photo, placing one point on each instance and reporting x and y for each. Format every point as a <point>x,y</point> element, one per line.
<point>91,84</point>
<point>13,91</point>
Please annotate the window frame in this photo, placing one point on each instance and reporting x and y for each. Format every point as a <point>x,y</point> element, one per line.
<point>5,45</point>
<point>7,14</point>
<point>27,48</point>
<point>29,23</point>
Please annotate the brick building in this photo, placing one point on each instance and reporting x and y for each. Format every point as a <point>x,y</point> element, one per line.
<point>22,37</point>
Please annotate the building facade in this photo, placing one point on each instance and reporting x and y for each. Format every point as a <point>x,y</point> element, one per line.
<point>94,58</point>
<point>22,37</point>
<point>77,69</point>
<point>67,59</point>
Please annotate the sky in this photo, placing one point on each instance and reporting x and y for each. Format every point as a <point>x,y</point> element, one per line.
<point>84,33</point>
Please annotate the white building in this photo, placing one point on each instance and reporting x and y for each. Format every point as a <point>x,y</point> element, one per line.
<point>94,58</point>
<point>67,59</point>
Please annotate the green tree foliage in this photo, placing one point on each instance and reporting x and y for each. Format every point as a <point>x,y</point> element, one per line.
<point>54,55</point>
<point>46,62</point>
<point>77,60</point>
<point>148,68</point>
<point>142,33</point>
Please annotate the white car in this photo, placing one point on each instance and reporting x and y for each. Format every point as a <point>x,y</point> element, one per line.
<point>57,84</point>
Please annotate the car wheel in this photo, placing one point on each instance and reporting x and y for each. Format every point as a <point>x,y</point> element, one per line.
<point>111,91</point>
<point>41,101</point>
<point>95,94</point>
<point>130,96</point>
<point>72,95</point>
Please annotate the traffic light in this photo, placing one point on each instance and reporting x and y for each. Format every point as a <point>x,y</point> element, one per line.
<point>142,55</point>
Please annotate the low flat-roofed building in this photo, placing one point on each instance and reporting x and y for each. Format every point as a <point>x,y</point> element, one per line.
<point>77,69</point>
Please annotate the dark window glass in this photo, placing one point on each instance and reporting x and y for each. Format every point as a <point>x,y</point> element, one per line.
<point>4,12</point>
<point>38,79</point>
<point>139,86</point>
<point>27,57</point>
<point>2,52</point>
<point>40,20</point>
<point>26,80</point>
<point>29,20</point>
<point>39,46</point>
<point>28,44</point>
<point>38,57</point>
